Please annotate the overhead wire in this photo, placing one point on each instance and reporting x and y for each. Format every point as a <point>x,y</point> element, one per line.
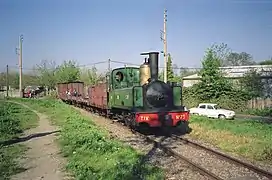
<point>133,64</point>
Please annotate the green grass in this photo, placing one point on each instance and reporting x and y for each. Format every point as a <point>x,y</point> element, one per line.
<point>14,119</point>
<point>90,151</point>
<point>266,112</point>
<point>247,138</point>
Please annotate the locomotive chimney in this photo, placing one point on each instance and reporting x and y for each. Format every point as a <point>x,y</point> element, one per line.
<point>153,61</point>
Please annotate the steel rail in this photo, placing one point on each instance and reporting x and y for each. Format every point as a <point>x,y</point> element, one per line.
<point>168,150</point>
<point>228,158</point>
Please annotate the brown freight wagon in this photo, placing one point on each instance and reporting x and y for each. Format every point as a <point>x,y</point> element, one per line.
<point>98,96</point>
<point>78,87</point>
<point>62,88</point>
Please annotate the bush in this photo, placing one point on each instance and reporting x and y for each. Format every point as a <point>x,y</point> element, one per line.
<point>261,112</point>
<point>235,100</point>
<point>190,98</point>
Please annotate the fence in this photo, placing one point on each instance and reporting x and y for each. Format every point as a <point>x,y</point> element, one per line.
<point>12,93</point>
<point>260,103</point>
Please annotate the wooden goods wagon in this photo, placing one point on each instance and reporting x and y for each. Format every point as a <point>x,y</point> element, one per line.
<point>98,96</point>
<point>78,87</point>
<point>61,89</point>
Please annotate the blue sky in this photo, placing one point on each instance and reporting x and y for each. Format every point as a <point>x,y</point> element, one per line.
<point>94,30</point>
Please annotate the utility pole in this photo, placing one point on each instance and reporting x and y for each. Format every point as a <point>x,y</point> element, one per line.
<point>109,67</point>
<point>164,39</point>
<point>7,81</point>
<point>108,78</point>
<point>19,52</point>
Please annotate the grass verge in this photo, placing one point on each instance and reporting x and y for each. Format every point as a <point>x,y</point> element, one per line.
<point>90,151</point>
<point>250,139</point>
<point>14,119</point>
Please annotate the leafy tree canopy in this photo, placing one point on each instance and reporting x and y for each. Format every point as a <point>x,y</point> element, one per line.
<point>46,72</point>
<point>266,62</point>
<point>170,72</point>
<point>91,76</point>
<point>252,84</point>
<point>67,71</point>
<point>239,59</point>
<point>212,84</point>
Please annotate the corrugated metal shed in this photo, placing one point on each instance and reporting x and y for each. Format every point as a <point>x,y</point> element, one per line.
<point>233,72</point>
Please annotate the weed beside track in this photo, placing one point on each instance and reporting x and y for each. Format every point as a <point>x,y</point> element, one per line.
<point>250,139</point>
<point>91,153</point>
<point>14,119</point>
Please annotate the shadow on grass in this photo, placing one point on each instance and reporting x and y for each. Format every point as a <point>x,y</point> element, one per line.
<point>143,167</point>
<point>16,170</point>
<point>22,139</point>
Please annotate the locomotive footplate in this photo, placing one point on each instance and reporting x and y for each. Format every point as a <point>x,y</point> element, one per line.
<point>165,119</point>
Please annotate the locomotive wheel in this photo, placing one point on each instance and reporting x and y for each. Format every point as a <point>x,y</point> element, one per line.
<point>183,128</point>
<point>127,123</point>
<point>143,128</point>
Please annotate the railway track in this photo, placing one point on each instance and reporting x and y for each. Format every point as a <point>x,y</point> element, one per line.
<point>225,157</point>
<point>203,170</point>
<point>169,151</point>
<point>198,167</point>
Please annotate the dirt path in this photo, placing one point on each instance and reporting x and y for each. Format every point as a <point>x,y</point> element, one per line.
<point>42,159</point>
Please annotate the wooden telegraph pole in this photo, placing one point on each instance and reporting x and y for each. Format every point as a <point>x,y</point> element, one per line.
<point>7,81</point>
<point>164,39</point>
<point>108,77</point>
<point>20,55</point>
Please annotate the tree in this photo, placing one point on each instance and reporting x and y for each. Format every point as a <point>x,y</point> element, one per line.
<point>221,52</point>
<point>239,59</point>
<point>212,84</point>
<point>67,72</point>
<point>91,76</point>
<point>170,72</point>
<point>266,62</point>
<point>46,73</point>
<point>13,79</point>
<point>161,74</point>
<point>2,79</point>
<point>252,84</point>
<point>30,80</point>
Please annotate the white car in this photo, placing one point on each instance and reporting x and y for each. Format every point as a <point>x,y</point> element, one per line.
<point>213,111</point>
